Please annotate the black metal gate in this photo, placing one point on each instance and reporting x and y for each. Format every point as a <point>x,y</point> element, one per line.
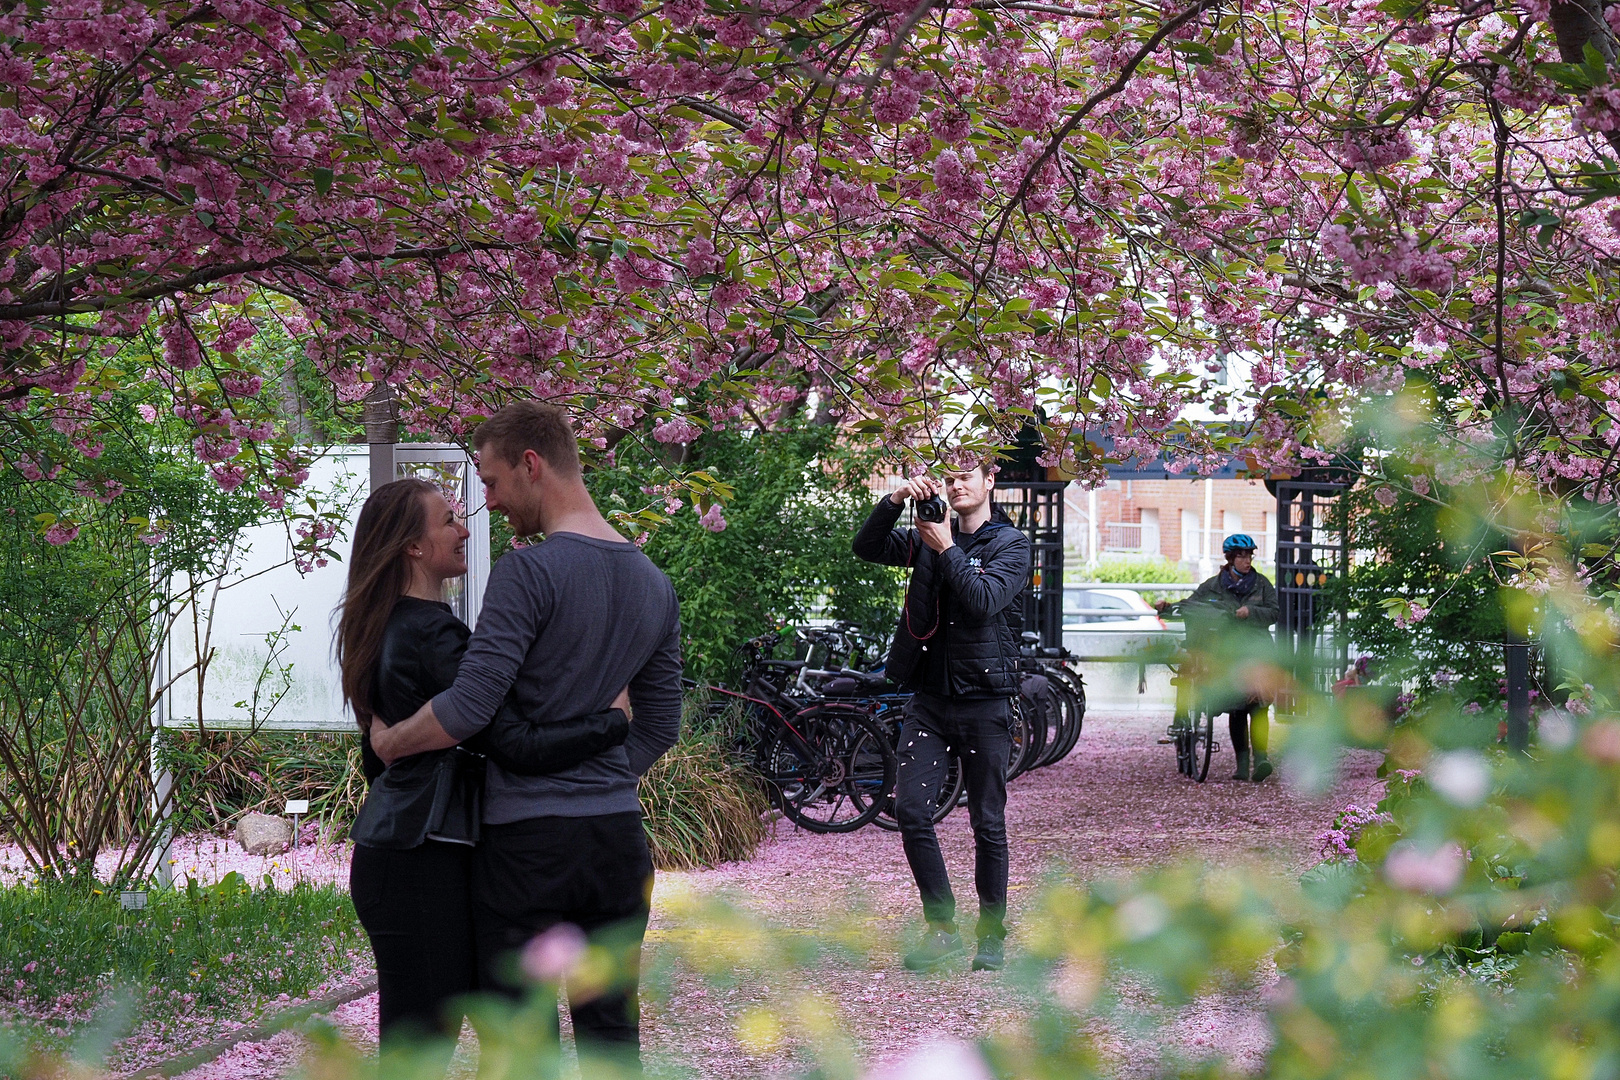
<point>1036,507</point>
<point>1313,548</point>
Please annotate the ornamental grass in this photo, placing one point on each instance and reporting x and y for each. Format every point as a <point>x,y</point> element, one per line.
<point>702,803</point>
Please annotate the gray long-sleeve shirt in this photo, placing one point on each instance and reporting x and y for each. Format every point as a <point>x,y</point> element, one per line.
<point>566,624</point>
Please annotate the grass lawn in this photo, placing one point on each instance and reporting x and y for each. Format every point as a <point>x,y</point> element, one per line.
<point>193,957</point>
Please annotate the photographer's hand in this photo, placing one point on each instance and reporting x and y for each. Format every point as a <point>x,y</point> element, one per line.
<point>936,534</point>
<point>918,487</point>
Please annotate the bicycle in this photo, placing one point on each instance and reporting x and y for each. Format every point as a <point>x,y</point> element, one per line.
<point>1055,735</point>
<point>827,764</point>
<point>1192,731</point>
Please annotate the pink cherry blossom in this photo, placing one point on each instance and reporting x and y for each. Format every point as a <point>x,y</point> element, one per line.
<point>1415,868</point>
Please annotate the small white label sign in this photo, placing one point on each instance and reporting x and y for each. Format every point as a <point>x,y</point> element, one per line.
<point>297,806</point>
<point>132,901</point>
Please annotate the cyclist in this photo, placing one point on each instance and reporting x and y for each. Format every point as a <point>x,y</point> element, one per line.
<point>1231,613</point>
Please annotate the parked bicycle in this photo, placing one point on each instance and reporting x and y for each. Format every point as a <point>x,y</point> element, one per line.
<point>823,728</point>
<point>826,763</point>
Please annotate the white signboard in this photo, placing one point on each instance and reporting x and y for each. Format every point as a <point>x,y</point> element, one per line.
<point>269,622</point>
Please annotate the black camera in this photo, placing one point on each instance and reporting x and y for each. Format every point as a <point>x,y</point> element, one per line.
<point>931,509</point>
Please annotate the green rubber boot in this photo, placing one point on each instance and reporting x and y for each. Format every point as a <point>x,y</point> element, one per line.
<point>1262,767</point>
<point>1243,766</point>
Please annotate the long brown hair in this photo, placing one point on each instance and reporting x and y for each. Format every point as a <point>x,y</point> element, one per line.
<point>392,519</point>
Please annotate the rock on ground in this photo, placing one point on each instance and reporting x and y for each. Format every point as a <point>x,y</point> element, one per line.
<point>261,834</point>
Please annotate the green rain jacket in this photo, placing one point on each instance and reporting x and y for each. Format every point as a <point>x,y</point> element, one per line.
<point>1210,613</point>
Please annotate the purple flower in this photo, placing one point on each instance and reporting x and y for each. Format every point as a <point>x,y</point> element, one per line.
<point>942,1059</point>
<point>713,519</point>
<point>551,955</point>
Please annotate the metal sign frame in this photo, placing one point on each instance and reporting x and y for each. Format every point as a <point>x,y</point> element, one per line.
<point>451,467</point>
<point>1036,507</point>
<point>267,587</point>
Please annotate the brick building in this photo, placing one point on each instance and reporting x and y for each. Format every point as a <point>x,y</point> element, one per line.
<point>1180,520</point>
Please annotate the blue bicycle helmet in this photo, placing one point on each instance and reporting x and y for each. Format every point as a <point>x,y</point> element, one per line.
<point>1238,542</point>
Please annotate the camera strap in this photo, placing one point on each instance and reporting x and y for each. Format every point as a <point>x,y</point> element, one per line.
<point>906,610</point>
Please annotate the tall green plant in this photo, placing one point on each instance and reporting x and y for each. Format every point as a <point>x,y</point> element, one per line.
<point>784,550</point>
<point>1444,562</point>
<point>84,609</point>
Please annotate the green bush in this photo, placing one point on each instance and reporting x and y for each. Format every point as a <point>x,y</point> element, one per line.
<point>702,804</point>
<point>82,617</point>
<point>1418,549</point>
<point>1133,572</point>
<point>223,775</point>
<point>196,951</point>
<point>785,551</point>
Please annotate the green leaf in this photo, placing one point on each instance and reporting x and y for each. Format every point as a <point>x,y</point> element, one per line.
<point>323,181</point>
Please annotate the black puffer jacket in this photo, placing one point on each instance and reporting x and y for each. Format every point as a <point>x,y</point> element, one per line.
<point>959,601</point>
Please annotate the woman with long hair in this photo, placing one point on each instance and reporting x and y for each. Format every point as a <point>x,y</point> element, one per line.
<point>398,644</point>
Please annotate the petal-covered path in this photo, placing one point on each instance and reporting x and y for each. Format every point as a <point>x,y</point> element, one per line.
<point>1115,806</point>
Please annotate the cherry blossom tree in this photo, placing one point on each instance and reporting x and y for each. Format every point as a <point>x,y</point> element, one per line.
<point>704,213</point>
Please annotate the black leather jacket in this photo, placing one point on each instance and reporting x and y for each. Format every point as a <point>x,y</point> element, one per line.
<point>960,602</point>
<point>439,794</point>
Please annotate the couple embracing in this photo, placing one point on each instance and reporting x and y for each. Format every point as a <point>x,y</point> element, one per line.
<point>503,763</point>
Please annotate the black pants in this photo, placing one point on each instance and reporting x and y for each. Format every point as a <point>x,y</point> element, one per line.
<point>416,908</point>
<point>593,872</point>
<point>1237,724</point>
<point>976,730</point>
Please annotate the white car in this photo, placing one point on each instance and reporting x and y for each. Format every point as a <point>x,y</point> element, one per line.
<point>1122,622</point>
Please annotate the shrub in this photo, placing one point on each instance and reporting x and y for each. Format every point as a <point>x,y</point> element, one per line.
<point>1134,572</point>
<point>785,551</point>
<point>219,776</point>
<point>702,804</point>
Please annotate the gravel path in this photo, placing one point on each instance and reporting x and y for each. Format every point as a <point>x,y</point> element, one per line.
<point>1115,806</point>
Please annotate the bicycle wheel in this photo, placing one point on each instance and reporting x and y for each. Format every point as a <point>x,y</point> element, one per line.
<point>1071,713</point>
<point>1072,696</point>
<point>1042,728</point>
<point>945,799</point>
<point>832,771</point>
<point>1181,738</point>
<point>1022,740</point>
<point>1202,739</point>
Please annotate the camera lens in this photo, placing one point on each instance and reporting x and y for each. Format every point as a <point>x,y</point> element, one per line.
<point>931,509</point>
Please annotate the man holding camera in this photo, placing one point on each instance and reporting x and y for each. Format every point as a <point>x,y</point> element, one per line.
<point>957,653</point>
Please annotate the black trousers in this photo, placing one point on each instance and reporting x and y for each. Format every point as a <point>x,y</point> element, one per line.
<point>593,872</point>
<point>416,907</point>
<point>976,730</point>
<point>1237,725</point>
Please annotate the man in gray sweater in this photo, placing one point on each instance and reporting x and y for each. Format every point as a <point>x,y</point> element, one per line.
<point>577,624</point>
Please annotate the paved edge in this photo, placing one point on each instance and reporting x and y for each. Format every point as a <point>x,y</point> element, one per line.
<point>278,1023</point>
